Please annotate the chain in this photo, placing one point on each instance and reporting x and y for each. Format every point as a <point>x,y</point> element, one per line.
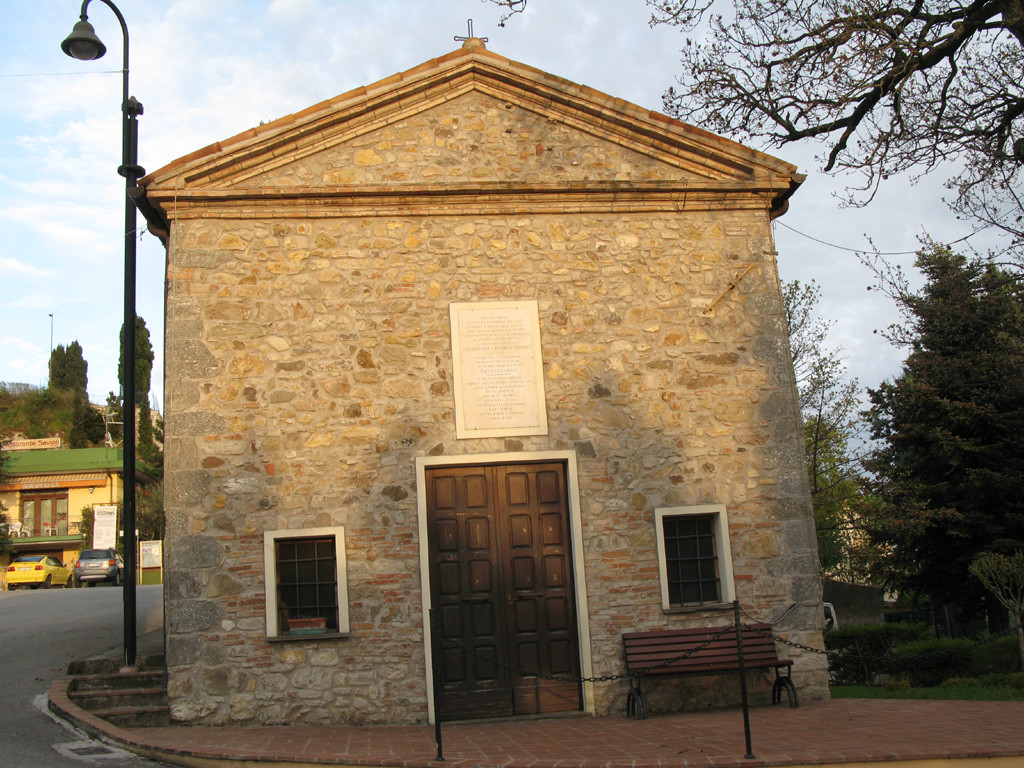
<point>792,643</point>
<point>724,631</point>
<point>596,679</point>
<point>451,641</point>
<point>917,657</point>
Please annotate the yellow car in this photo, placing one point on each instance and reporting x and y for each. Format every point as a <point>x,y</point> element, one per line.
<point>37,571</point>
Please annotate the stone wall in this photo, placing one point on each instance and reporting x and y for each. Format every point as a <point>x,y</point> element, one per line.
<point>309,364</point>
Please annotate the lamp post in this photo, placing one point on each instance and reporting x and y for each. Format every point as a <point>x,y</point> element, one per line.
<point>83,44</point>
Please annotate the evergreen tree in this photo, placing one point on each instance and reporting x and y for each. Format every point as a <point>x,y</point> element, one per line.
<point>949,465</point>
<point>143,360</point>
<point>68,368</point>
<point>77,438</point>
<point>87,427</point>
<point>148,449</point>
<point>145,437</point>
<point>95,429</point>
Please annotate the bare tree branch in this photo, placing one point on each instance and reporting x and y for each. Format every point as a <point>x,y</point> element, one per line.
<point>887,86</point>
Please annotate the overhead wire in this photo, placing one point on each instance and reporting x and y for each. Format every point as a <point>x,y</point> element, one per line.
<point>64,74</point>
<point>862,250</point>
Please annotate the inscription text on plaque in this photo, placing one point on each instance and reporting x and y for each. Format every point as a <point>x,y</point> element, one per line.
<point>499,382</point>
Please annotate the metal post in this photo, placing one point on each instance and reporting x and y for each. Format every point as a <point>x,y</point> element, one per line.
<point>743,679</point>
<point>83,44</point>
<point>435,665</point>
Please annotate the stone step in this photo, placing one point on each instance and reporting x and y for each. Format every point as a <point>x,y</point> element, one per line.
<point>109,666</point>
<point>109,698</point>
<point>150,716</point>
<point>136,698</point>
<point>118,680</point>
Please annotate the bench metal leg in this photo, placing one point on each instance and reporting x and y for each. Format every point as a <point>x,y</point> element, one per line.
<point>636,704</point>
<point>784,682</point>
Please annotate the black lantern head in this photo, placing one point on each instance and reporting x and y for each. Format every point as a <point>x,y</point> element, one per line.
<point>82,43</point>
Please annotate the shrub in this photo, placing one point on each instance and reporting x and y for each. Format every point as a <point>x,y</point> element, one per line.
<point>998,656</point>
<point>862,653</point>
<point>930,662</point>
<point>1007,680</point>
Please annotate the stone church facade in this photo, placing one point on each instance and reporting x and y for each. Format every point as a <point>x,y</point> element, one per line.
<point>481,344</point>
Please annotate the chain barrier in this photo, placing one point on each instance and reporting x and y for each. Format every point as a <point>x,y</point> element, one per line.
<point>596,679</point>
<point>888,657</point>
<point>727,629</point>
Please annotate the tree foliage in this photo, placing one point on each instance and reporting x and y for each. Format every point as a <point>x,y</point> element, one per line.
<point>35,412</point>
<point>85,526</point>
<point>148,438</point>
<point>68,368</point>
<point>87,427</point>
<point>69,373</point>
<point>149,512</point>
<point>1003,576</point>
<point>143,360</point>
<point>5,533</point>
<point>830,407</point>
<point>888,86</point>
<point>949,463</point>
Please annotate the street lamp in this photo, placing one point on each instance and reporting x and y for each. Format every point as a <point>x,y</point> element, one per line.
<point>83,44</point>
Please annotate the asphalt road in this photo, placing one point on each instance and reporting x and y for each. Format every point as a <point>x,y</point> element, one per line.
<point>41,631</point>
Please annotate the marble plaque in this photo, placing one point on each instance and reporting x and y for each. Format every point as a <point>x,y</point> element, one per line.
<point>499,378</point>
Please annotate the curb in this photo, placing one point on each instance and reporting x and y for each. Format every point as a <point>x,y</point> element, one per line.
<point>61,705</point>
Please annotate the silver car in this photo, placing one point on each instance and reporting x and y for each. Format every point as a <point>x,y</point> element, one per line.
<point>95,565</point>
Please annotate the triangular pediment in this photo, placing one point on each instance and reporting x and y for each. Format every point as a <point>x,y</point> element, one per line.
<point>471,121</point>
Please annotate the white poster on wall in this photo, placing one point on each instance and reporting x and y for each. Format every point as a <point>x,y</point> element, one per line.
<point>104,527</point>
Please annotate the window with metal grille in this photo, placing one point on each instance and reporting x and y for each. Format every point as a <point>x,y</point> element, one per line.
<point>307,594</point>
<point>690,560</point>
<point>695,564</point>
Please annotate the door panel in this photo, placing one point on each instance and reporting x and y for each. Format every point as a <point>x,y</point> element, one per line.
<point>542,624</point>
<point>499,554</point>
<point>465,589</point>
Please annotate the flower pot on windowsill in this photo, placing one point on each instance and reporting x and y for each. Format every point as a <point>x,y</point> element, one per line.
<point>307,626</point>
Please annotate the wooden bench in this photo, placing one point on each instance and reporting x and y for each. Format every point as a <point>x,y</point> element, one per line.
<point>701,651</point>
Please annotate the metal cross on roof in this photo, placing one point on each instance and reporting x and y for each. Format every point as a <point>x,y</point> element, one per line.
<point>469,23</point>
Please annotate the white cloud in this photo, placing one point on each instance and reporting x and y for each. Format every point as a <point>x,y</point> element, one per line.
<point>207,71</point>
<point>11,266</point>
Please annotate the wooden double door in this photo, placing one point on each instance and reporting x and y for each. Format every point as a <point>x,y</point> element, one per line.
<point>501,580</point>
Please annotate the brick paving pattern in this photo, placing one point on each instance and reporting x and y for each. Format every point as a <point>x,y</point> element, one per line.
<point>818,733</point>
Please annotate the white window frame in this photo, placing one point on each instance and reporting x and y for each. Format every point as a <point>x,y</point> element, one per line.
<point>270,539</point>
<point>726,585</point>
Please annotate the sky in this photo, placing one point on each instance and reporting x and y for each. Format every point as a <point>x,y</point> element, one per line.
<point>206,70</point>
